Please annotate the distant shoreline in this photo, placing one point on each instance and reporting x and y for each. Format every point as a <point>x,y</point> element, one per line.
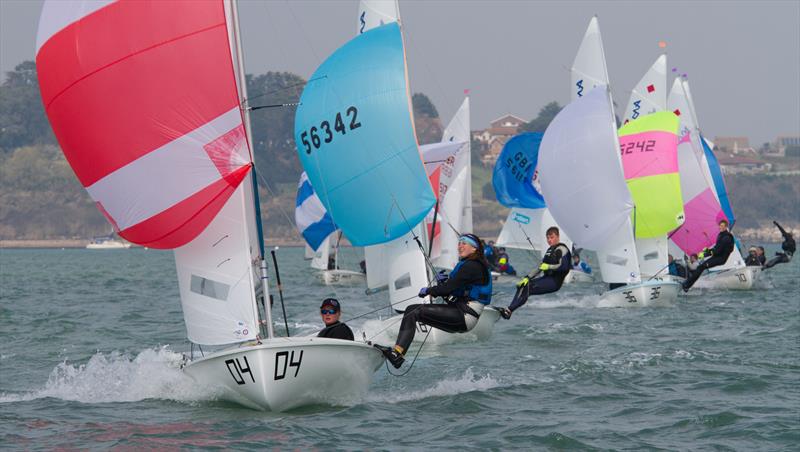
<point>78,243</point>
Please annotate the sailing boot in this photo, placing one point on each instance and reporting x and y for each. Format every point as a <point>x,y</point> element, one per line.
<point>392,355</point>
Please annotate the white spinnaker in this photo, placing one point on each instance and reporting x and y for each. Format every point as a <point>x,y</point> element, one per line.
<point>455,203</point>
<point>589,68</point>
<point>308,253</point>
<point>650,94</point>
<point>374,13</point>
<point>582,141</point>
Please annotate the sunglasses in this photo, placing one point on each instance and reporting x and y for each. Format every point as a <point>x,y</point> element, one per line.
<point>327,311</point>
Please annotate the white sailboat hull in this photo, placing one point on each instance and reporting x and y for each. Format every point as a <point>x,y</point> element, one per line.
<point>481,332</point>
<point>287,373</point>
<point>645,294</point>
<point>108,245</point>
<point>741,278</point>
<point>341,277</point>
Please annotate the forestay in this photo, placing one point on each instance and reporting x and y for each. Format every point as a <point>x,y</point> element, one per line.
<point>167,162</point>
<point>356,139</point>
<point>582,141</point>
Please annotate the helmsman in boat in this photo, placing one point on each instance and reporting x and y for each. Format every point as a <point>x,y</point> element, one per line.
<point>555,267</point>
<point>331,310</point>
<point>466,291</point>
<point>718,255</point>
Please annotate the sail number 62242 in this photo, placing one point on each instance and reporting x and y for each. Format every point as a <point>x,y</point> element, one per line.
<point>326,132</point>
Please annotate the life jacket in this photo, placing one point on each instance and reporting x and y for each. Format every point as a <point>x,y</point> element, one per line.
<point>480,293</point>
<point>551,258</point>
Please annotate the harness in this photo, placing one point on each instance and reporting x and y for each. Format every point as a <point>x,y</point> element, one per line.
<point>479,293</point>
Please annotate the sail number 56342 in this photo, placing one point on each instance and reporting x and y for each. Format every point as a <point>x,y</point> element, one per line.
<point>317,136</point>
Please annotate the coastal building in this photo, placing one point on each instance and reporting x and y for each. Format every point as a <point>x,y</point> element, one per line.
<point>496,136</point>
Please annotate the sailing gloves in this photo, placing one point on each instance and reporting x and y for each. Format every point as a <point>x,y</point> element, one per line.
<point>544,267</point>
<point>423,292</point>
<point>523,282</point>
<point>704,253</point>
<point>441,277</point>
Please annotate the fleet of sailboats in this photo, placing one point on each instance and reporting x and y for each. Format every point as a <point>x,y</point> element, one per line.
<point>181,177</point>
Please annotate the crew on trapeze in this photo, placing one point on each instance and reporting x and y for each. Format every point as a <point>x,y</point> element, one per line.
<point>466,291</point>
<point>555,267</point>
<point>718,255</point>
<point>788,246</point>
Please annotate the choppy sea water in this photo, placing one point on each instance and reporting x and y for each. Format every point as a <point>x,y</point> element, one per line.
<point>90,342</point>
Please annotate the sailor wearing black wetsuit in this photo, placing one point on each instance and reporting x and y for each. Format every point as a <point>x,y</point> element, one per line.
<point>719,255</point>
<point>555,266</point>
<point>788,246</point>
<point>334,329</point>
<point>467,290</point>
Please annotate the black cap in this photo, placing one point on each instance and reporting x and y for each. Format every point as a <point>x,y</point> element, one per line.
<point>332,302</point>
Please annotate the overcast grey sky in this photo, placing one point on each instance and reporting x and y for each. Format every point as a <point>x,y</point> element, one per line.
<point>742,57</point>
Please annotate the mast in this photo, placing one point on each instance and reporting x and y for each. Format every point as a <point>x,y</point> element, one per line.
<point>241,81</point>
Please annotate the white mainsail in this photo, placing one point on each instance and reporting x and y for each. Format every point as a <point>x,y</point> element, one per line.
<point>374,13</point>
<point>617,252</point>
<point>650,94</point>
<point>589,68</point>
<point>454,191</point>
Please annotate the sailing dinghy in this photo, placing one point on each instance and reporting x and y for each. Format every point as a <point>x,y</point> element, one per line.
<point>322,238</point>
<point>582,141</point>
<point>706,200</point>
<point>371,176</point>
<point>146,99</point>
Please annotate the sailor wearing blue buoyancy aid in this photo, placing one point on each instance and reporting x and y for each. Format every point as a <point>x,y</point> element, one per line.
<point>467,290</point>
<point>555,266</point>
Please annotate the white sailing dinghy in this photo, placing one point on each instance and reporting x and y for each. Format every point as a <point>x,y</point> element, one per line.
<point>706,201</point>
<point>582,141</point>
<point>322,238</point>
<point>168,163</point>
<point>107,242</point>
